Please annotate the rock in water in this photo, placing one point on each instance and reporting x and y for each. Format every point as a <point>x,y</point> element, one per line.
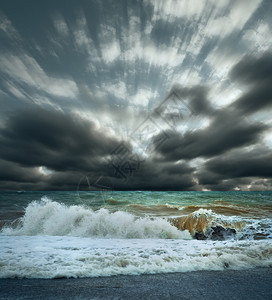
<point>200,236</point>
<point>215,233</point>
<point>219,233</point>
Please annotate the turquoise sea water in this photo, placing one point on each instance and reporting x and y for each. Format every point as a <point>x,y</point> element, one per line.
<point>105,233</point>
<point>14,201</point>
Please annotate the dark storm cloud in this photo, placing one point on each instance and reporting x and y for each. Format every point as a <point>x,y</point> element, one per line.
<point>115,61</point>
<point>195,98</point>
<point>230,184</point>
<point>68,180</point>
<point>179,105</point>
<point>154,175</point>
<point>74,150</point>
<point>241,163</point>
<point>10,171</point>
<point>148,176</point>
<point>55,140</point>
<point>229,130</point>
<point>226,131</point>
<point>247,169</point>
<point>257,73</point>
<point>252,70</point>
<point>229,127</point>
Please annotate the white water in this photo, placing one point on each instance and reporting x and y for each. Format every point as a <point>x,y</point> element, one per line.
<point>54,240</point>
<point>47,217</point>
<point>63,256</point>
<point>51,218</point>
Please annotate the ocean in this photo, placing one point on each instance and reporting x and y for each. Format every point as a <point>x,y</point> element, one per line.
<point>105,233</point>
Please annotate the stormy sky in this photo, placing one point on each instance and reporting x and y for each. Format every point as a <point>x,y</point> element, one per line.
<point>135,95</point>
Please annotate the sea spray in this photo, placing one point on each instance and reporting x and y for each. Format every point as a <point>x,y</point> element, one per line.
<point>48,217</point>
<point>132,234</point>
<point>202,220</point>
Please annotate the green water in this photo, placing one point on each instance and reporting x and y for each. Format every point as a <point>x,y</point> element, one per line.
<point>16,201</point>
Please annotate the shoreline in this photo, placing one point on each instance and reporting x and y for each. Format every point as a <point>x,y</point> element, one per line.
<point>227,284</point>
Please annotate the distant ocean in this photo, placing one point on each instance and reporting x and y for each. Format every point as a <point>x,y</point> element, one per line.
<point>105,233</point>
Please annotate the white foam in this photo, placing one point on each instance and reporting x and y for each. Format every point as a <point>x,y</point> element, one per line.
<point>178,207</point>
<point>248,226</point>
<point>48,217</point>
<point>66,256</point>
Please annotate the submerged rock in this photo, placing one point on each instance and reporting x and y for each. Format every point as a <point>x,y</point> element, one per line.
<point>215,233</point>
<point>260,236</point>
<point>200,236</point>
<point>199,226</point>
<point>219,233</point>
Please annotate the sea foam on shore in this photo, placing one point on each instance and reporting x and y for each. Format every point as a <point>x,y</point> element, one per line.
<point>64,256</point>
<point>53,239</point>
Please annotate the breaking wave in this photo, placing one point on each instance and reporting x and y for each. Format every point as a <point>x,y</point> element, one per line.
<point>48,217</point>
<point>53,240</point>
<point>207,222</point>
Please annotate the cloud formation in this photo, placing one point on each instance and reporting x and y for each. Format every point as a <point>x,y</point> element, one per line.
<point>227,130</point>
<point>182,88</point>
<point>257,74</point>
<point>56,140</point>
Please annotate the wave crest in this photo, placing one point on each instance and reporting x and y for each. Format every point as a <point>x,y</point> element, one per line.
<point>48,217</point>
<point>203,219</point>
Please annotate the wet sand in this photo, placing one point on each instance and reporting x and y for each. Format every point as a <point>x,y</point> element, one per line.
<point>227,284</point>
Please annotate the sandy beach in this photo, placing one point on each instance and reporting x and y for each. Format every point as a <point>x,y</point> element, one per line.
<point>228,284</point>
